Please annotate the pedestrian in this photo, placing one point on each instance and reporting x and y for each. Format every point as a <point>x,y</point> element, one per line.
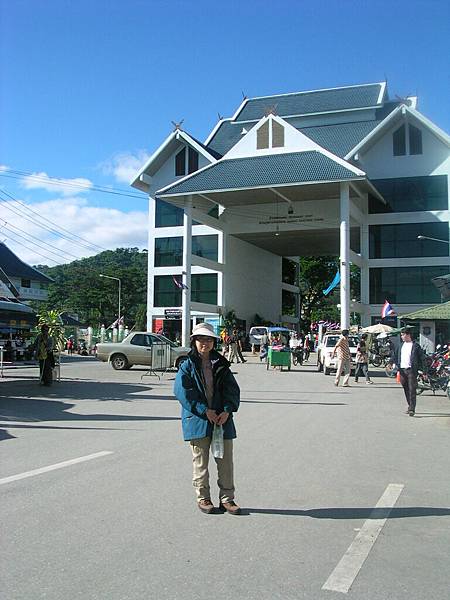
<point>240,345</point>
<point>43,348</point>
<point>362,360</point>
<point>209,395</point>
<point>409,359</point>
<point>342,349</point>
<point>233,347</point>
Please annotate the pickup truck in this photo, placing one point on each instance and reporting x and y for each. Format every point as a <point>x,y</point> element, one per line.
<point>136,349</point>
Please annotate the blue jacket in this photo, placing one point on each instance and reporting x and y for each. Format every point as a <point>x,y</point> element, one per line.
<point>189,388</point>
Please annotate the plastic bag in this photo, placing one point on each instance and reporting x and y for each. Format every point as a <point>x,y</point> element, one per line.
<point>217,441</point>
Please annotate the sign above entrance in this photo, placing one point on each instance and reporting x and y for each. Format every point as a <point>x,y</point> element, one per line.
<point>172,314</point>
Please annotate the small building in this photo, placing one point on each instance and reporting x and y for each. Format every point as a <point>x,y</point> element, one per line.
<point>30,283</point>
<point>434,325</point>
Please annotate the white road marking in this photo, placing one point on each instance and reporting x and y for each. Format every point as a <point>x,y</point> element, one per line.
<point>350,564</point>
<point>61,465</point>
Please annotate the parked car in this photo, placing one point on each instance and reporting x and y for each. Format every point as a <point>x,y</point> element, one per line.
<point>136,349</point>
<point>325,361</point>
<point>255,334</point>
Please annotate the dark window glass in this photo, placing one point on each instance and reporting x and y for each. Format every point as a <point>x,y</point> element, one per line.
<point>410,194</point>
<point>26,283</point>
<point>168,215</point>
<point>205,246</point>
<point>180,162</point>
<point>192,161</point>
<point>204,288</point>
<point>399,141</point>
<point>400,241</point>
<point>166,293</point>
<point>169,252</point>
<point>262,136</point>
<point>405,285</point>
<point>415,140</point>
<point>289,271</point>
<point>277,135</point>
<point>288,303</point>
<point>141,340</point>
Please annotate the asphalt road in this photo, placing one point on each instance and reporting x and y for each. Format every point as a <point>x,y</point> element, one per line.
<point>312,461</point>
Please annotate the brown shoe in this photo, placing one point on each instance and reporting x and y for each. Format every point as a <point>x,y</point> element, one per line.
<point>206,506</point>
<point>230,507</point>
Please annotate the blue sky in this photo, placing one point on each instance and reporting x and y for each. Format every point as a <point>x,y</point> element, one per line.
<point>89,88</point>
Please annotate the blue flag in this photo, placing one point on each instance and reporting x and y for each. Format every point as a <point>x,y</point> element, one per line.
<point>333,284</point>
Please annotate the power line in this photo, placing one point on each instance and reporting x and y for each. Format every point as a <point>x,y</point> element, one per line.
<point>75,238</point>
<point>31,249</point>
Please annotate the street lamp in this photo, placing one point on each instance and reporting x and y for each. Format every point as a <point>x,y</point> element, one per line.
<point>425,237</point>
<point>120,289</point>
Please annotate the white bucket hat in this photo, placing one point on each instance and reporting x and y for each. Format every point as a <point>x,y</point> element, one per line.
<point>204,329</point>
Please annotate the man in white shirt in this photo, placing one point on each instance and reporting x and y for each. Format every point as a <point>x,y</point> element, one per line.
<point>409,360</point>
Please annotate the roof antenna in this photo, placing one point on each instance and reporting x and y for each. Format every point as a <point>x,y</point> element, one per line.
<point>177,126</point>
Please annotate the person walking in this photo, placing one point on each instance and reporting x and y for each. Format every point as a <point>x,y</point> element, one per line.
<point>43,348</point>
<point>342,350</point>
<point>209,395</point>
<point>233,348</point>
<point>240,344</point>
<point>362,360</point>
<point>409,359</point>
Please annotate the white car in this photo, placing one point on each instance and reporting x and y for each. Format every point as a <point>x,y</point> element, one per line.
<point>325,361</point>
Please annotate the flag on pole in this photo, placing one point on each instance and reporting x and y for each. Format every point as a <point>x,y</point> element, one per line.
<point>333,284</point>
<point>180,285</point>
<point>387,310</point>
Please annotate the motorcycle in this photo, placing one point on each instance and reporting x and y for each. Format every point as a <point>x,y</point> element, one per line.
<point>436,375</point>
<point>297,356</point>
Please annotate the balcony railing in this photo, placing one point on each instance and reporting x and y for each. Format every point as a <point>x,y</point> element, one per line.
<point>32,293</point>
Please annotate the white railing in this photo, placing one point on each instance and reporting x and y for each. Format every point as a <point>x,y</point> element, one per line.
<point>32,293</point>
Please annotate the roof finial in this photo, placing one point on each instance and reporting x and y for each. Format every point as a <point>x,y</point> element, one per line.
<point>220,116</point>
<point>404,100</point>
<point>244,96</point>
<point>177,126</point>
<point>270,110</point>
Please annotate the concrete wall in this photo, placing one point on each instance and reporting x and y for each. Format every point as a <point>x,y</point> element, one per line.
<point>252,281</point>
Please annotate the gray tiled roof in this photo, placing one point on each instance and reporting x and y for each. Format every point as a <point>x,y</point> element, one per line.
<point>339,139</point>
<point>14,267</point>
<point>259,171</point>
<point>304,103</point>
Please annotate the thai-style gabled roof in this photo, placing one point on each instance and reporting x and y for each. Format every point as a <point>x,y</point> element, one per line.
<point>313,102</point>
<point>438,312</point>
<point>14,267</point>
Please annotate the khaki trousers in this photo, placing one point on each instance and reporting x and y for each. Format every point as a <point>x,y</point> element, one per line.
<point>343,367</point>
<point>200,479</point>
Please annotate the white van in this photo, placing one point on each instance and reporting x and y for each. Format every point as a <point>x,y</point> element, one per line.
<point>255,334</point>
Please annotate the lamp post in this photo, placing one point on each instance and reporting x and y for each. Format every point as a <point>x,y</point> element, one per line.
<point>425,237</point>
<point>120,291</point>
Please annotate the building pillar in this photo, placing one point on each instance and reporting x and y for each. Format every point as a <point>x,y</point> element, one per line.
<point>221,275</point>
<point>150,260</point>
<point>364,289</point>
<point>187,264</point>
<point>345,254</point>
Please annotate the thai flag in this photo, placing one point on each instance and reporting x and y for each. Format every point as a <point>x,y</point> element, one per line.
<point>179,284</point>
<point>387,310</point>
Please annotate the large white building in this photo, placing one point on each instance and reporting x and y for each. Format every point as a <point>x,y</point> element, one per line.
<point>342,171</point>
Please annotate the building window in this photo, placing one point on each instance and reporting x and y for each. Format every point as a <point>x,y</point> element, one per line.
<point>168,252</point>
<point>277,135</point>
<point>25,283</point>
<point>415,140</point>
<point>205,246</point>
<point>180,163</point>
<point>165,292</point>
<point>168,215</point>
<point>405,285</point>
<point>400,240</point>
<point>204,288</point>
<point>262,136</point>
<point>288,303</point>
<point>399,141</point>
<point>410,194</point>
<point>289,272</point>
<point>192,161</point>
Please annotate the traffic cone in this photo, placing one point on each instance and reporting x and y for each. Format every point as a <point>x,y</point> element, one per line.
<point>397,377</point>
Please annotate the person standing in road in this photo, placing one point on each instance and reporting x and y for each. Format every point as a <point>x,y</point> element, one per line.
<point>409,359</point>
<point>43,348</point>
<point>240,344</point>
<point>342,350</point>
<point>233,348</point>
<point>209,395</point>
<point>362,360</point>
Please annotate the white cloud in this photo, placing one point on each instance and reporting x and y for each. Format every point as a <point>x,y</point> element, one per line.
<point>123,166</point>
<point>4,168</point>
<point>66,187</point>
<point>107,228</point>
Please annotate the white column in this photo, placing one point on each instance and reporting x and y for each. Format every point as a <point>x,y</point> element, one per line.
<point>345,254</point>
<point>364,289</point>
<point>150,260</point>
<point>221,275</point>
<point>187,263</point>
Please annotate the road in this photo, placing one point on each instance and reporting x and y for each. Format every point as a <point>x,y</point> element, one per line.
<point>343,495</point>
